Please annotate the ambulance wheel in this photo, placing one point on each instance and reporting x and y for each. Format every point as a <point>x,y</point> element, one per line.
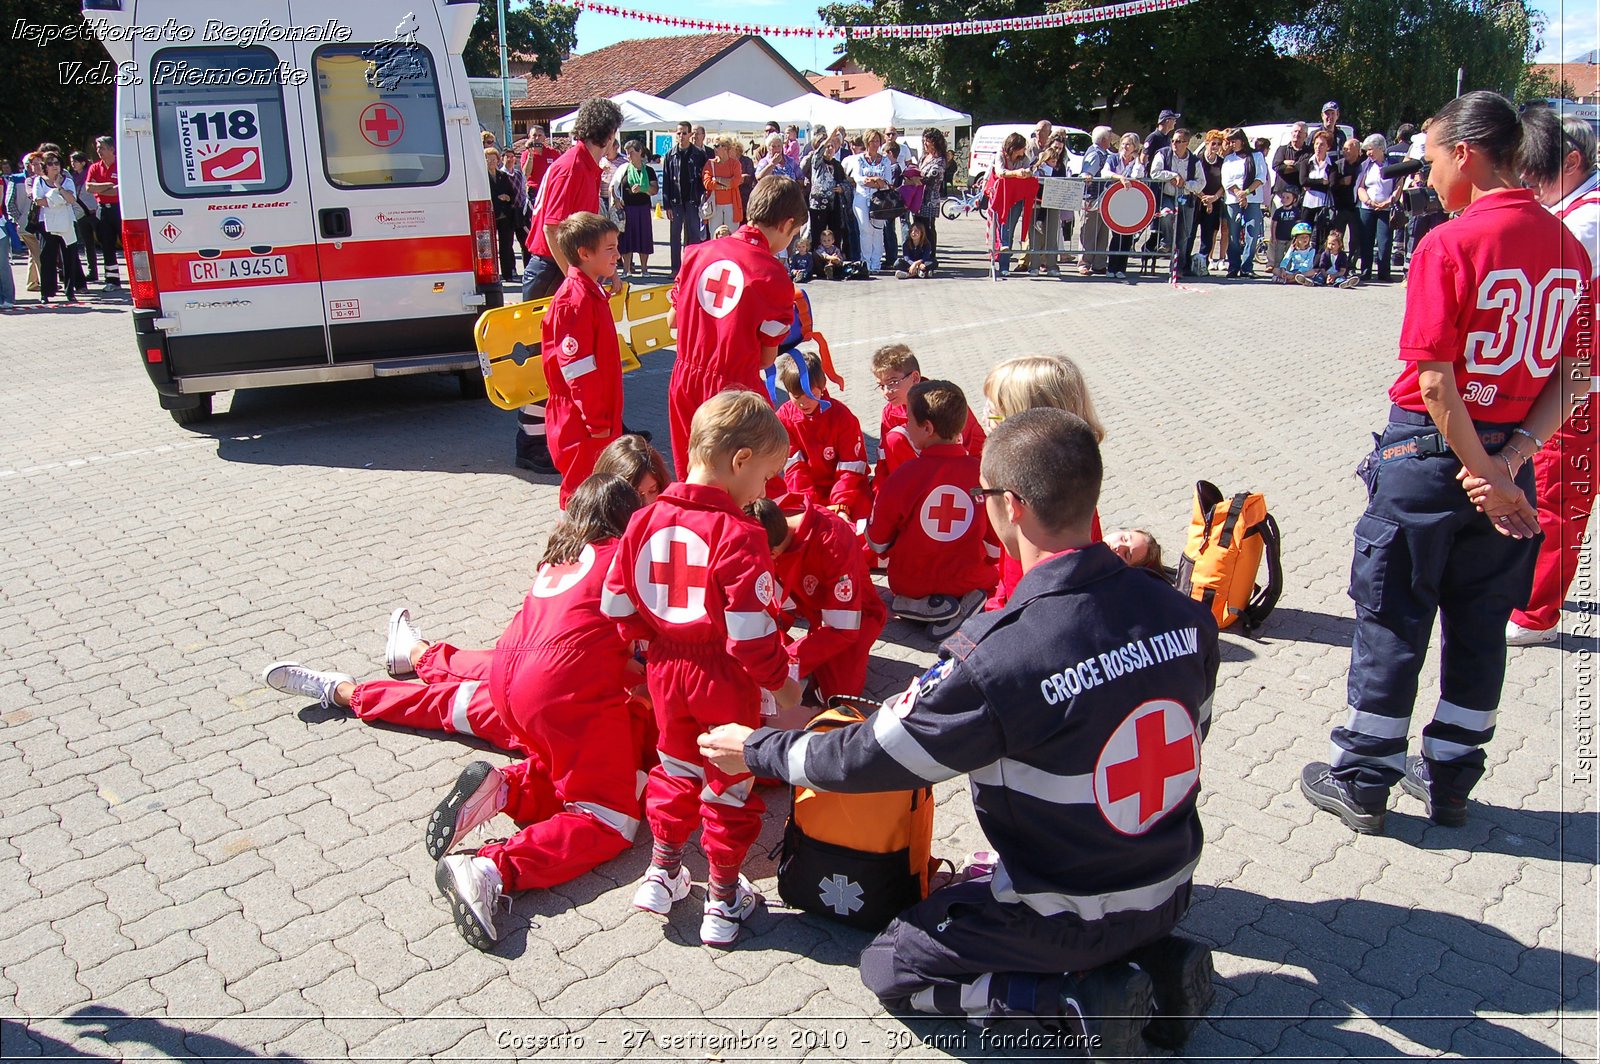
<point>195,413</point>
<point>472,385</point>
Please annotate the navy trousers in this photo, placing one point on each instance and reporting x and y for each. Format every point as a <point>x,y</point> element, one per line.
<point>1422,550</point>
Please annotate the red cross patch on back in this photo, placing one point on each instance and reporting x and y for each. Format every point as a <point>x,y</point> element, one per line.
<point>719,288</point>
<point>946,513</point>
<point>553,580</point>
<point>1148,766</point>
<point>671,575</point>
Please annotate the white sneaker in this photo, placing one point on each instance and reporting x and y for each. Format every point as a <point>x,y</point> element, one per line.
<point>473,887</point>
<point>658,891</point>
<point>928,610</point>
<point>403,635</point>
<point>1518,636</point>
<point>970,601</point>
<point>479,793</point>
<point>720,925</point>
<point>292,678</point>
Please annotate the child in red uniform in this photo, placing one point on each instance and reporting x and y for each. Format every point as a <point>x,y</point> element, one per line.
<point>825,583</point>
<point>582,361</point>
<point>827,458</point>
<point>732,302</point>
<point>1019,384</point>
<point>942,562</point>
<point>554,689</point>
<point>896,370</point>
<point>694,577</point>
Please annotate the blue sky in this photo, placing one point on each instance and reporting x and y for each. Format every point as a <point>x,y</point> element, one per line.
<point>1572,30</point>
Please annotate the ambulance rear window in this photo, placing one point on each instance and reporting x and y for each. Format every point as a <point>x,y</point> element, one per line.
<point>381,119</point>
<point>219,125</point>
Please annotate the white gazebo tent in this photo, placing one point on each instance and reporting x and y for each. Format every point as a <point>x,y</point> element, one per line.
<point>901,109</point>
<point>640,111</point>
<point>728,112</point>
<point>812,109</point>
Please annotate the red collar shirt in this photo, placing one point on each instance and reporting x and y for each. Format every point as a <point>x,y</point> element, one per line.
<point>1493,291</point>
<point>572,184</point>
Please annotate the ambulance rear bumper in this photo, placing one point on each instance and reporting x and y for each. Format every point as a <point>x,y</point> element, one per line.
<point>348,371</point>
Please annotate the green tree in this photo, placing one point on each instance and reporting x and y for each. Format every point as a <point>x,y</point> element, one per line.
<point>1535,84</point>
<point>44,100</point>
<point>1395,60</point>
<point>1209,60</point>
<point>542,32</point>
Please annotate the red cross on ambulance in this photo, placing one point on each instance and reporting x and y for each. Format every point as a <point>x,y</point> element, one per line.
<point>671,575</point>
<point>553,580</point>
<point>1149,765</point>
<point>719,288</point>
<point>946,513</point>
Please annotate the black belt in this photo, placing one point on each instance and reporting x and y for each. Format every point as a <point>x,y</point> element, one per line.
<point>1430,444</point>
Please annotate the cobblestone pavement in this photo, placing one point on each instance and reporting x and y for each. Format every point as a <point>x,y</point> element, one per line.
<point>196,865</point>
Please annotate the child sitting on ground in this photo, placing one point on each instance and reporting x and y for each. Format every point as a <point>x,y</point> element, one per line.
<point>1332,265</point>
<point>824,582</point>
<point>1019,384</point>
<point>583,363</point>
<point>916,257</point>
<point>553,689</point>
<point>633,459</point>
<point>827,258</point>
<point>942,552</point>
<point>827,458</point>
<point>693,575</point>
<point>801,265</point>
<point>1295,266</point>
<point>896,370</point>
<point>721,232</point>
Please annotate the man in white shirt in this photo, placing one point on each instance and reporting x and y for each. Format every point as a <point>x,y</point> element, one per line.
<point>1176,173</point>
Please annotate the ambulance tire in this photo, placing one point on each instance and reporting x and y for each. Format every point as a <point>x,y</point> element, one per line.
<point>472,384</point>
<point>195,413</point>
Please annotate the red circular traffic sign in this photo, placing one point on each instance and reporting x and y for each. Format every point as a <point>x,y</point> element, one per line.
<point>1128,208</point>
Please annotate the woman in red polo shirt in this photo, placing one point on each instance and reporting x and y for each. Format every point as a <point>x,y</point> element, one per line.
<point>1450,526</point>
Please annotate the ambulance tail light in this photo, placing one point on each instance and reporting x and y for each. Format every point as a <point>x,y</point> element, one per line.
<point>484,268</point>
<point>141,267</point>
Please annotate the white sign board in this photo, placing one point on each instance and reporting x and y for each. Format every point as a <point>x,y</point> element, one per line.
<point>1061,193</point>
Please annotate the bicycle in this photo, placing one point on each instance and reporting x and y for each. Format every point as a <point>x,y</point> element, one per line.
<point>956,206</point>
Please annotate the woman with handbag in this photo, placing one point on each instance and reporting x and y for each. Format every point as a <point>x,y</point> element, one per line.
<point>1378,195</point>
<point>635,184</point>
<point>57,228</point>
<point>869,172</point>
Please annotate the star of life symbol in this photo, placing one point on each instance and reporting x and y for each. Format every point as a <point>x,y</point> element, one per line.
<point>553,580</point>
<point>671,575</point>
<point>1148,766</point>
<point>946,513</point>
<point>841,894</point>
<point>719,288</point>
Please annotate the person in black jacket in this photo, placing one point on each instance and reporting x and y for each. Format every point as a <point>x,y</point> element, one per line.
<point>503,194</point>
<point>1078,711</point>
<point>681,191</point>
<point>1286,161</point>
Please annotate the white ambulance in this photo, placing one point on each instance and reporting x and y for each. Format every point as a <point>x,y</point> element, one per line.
<point>304,196</point>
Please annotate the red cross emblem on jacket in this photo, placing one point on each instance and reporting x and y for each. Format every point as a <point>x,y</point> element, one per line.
<point>720,287</point>
<point>1150,763</point>
<point>671,575</point>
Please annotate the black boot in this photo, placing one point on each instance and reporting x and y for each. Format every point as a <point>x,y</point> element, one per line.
<point>1109,1007</point>
<point>1181,970</point>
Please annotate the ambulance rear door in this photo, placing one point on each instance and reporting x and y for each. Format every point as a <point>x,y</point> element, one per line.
<point>388,160</point>
<point>227,198</point>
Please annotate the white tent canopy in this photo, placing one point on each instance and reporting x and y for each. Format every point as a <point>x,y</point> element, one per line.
<point>728,112</point>
<point>812,109</point>
<point>893,107</point>
<point>640,111</point>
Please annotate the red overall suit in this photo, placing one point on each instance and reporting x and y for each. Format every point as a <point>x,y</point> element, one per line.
<point>693,575</point>
<point>941,539</point>
<point>553,689</point>
<point>733,297</point>
<point>825,582</point>
<point>895,448</point>
<point>583,368</point>
<point>827,458</point>
<point>1564,467</point>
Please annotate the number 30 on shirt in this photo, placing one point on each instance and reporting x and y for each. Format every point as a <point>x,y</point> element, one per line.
<point>1533,321</point>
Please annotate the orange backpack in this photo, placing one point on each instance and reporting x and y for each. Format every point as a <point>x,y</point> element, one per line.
<point>1227,539</point>
<point>862,859</point>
